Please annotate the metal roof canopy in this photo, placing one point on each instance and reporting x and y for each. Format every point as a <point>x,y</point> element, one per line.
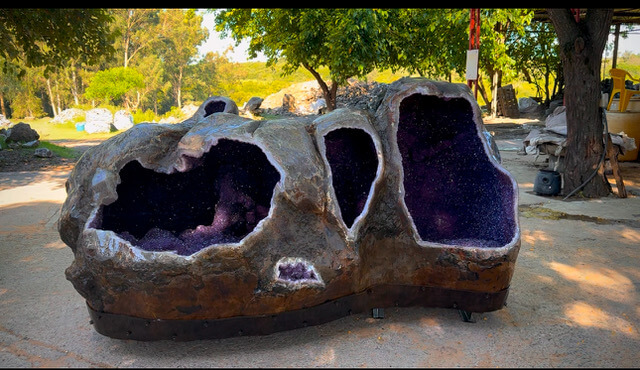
<point>620,16</point>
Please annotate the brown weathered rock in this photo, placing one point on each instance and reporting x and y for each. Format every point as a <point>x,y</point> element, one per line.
<point>22,132</point>
<point>289,103</point>
<point>224,217</point>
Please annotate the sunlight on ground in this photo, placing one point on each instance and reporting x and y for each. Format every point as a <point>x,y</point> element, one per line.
<point>531,236</point>
<point>328,357</point>
<point>584,314</point>
<point>526,186</point>
<point>432,324</point>
<point>633,235</point>
<point>604,282</point>
<point>40,191</point>
<point>56,245</point>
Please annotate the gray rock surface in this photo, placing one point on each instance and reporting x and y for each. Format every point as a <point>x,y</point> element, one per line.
<point>43,153</point>
<point>68,115</point>
<point>122,120</point>
<point>98,120</point>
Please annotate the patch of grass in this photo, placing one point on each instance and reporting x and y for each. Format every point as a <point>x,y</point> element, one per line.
<point>63,131</point>
<point>61,151</point>
<point>541,212</point>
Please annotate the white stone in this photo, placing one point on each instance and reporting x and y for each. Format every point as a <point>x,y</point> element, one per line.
<point>122,120</point>
<point>98,120</point>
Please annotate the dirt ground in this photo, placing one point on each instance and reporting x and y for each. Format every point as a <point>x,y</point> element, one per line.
<point>573,300</point>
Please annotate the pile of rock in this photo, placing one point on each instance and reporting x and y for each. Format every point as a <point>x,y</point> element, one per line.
<point>305,98</point>
<point>96,120</point>
<point>68,115</point>
<point>101,120</point>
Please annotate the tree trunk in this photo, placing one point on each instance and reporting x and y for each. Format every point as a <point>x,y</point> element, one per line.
<point>483,92</point>
<point>329,94</point>
<point>2,108</point>
<point>58,102</point>
<point>51,98</point>
<point>495,85</point>
<point>180,88</point>
<point>74,85</point>
<point>581,45</point>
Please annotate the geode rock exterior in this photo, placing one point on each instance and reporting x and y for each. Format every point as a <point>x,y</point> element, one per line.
<point>222,216</point>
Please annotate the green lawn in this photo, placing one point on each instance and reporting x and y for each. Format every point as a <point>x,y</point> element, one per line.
<point>62,131</point>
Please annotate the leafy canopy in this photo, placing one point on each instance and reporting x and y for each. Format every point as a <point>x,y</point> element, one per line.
<point>114,83</point>
<point>350,42</point>
<point>50,37</point>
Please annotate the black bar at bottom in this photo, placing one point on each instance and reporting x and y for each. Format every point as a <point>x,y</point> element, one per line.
<point>136,328</point>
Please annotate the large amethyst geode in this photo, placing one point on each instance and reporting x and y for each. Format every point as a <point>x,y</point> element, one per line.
<point>222,216</point>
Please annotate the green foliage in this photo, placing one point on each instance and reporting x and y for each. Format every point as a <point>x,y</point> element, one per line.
<point>242,81</point>
<point>349,42</point>
<point>26,102</point>
<point>113,84</point>
<point>61,151</point>
<point>627,61</point>
<point>332,45</point>
<point>181,32</point>
<point>537,59</point>
<point>63,131</point>
<point>50,37</point>
<point>146,116</point>
<point>355,42</point>
<point>174,112</point>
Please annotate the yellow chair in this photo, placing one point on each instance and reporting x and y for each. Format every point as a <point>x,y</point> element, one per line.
<point>619,76</point>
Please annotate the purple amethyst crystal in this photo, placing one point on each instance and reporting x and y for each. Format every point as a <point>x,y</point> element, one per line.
<point>353,160</point>
<point>295,271</point>
<point>220,200</point>
<point>452,190</point>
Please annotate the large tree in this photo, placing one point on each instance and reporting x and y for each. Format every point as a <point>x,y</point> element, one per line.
<point>180,33</point>
<point>349,42</point>
<point>137,30</point>
<point>582,41</point>
<point>51,37</point>
<point>538,59</point>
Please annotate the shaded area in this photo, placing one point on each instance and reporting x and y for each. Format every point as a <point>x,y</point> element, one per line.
<point>452,191</point>
<point>352,156</point>
<point>220,200</point>
<point>214,107</point>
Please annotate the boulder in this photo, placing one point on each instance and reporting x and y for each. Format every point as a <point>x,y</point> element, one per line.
<point>304,94</point>
<point>98,120</point>
<point>122,120</point>
<point>4,122</point>
<point>289,103</point>
<point>68,115</point>
<point>43,153</point>
<point>22,133</point>
<point>253,105</point>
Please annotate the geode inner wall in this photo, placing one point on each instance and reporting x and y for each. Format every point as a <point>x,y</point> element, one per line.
<point>222,217</point>
<point>220,200</point>
<point>453,194</point>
